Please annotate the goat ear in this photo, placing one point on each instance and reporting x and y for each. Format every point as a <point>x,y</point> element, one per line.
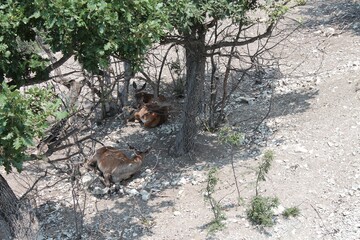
<point>134,85</point>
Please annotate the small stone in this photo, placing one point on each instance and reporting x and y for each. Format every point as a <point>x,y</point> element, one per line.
<point>233,220</point>
<point>193,182</point>
<point>165,183</point>
<point>177,213</point>
<point>182,181</point>
<point>331,181</point>
<point>329,31</point>
<point>100,191</point>
<point>145,195</point>
<point>278,210</point>
<point>132,192</point>
<point>87,179</point>
<point>300,149</point>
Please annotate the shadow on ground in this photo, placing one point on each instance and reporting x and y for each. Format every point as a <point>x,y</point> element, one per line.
<point>342,15</point>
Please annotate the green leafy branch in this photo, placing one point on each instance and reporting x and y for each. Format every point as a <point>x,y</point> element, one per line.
<point>23,117</point>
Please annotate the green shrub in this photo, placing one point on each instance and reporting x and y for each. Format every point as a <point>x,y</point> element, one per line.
<point>291,212</point>
<point>261,210</point>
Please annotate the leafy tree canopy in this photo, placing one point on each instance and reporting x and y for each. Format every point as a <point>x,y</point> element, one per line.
<point>92,31</point>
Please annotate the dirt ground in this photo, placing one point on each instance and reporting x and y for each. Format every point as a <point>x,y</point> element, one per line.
<point>313,127</point>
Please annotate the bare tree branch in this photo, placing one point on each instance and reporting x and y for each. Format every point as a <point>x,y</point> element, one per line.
<point>242,43</point>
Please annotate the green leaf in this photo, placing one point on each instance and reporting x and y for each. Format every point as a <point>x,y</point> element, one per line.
<point>35,15</point>
<point>8,136</point>
<point>107,46</point>
<point>17,143</point>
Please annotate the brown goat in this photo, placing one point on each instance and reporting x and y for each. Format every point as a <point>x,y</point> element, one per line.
<point>152,115</point>
<point>115,165</point>
<point>142,97</point>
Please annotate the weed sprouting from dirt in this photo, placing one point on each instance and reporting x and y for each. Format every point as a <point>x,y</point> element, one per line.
<point>217,224</point>
<point>291,212</point>
<point>261,210</point>
<point>264,169</point>
<point>234,139</point>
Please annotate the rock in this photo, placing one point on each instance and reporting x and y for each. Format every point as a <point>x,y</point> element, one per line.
<point>246,100</point>
<point>87,179</point>
<point>145,195</point>
<point>100,191</point>
<point>177,213</point>
<point>278,210</point>
<point>179,182</point>
<point>300,149</point>
<point>329,31</point>
<point>165,183</point>
<point>182,181</point>
<point>356,25</point>
<point>331,181</point>
<point>132,192</point>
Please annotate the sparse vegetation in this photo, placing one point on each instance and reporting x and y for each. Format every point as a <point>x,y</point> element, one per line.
<point>264,168</point>
<point>261,210</point>
<point>291,212</point>
<point>231,136</point>
<point>301,2</point>
<point>217,224</point>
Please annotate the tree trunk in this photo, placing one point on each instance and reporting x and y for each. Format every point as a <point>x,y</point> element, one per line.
<point>16,219</point>
<point>9,210</point>
<point>125,91</point>
<point>195,78</point>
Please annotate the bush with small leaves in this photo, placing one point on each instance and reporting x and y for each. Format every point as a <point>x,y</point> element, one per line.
<point>291,212</point>
<point>261,210</point>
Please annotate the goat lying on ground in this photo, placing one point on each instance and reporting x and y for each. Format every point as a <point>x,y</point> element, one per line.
<point>115,165</point>
<point>152,114</point>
